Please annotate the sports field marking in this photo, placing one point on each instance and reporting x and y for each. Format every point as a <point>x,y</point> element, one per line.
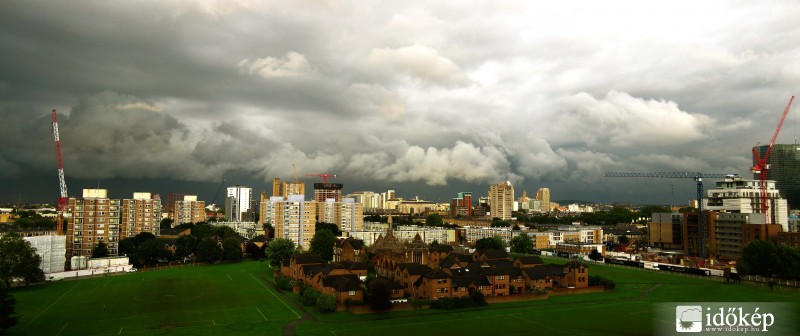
<point>50,306</point>
<point>273,294</point>
<point>262,314</point>
<point>156,326</point>
<point>537,323</point>
<point>229,276</point>
<point>106,283</point>
<point>62,329</point>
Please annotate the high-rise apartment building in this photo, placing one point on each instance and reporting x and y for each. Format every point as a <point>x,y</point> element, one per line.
<point>169,206</point>
<point>94,218</point>
<point>784,169</point>
<point>142,213</point>
<point>293,218</point>
<point>501,200</point>
<point>293,188</point>
<point>324,191</point>
<point>237,203</point>
<point>461,205</point>
<point>276,188</point>
<point>189,210</point>
<point>543,195</point>
<point>737,195</point>
<point>347,214</point>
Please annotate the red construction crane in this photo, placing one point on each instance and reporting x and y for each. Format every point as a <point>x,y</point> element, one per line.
<point>324,176</point>
<point>761,167</point>
<point>62,199</point>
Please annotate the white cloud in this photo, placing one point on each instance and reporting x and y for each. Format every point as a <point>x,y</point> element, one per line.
<point>416,61</point>
<point>386,102</point>
<point>293,64</point>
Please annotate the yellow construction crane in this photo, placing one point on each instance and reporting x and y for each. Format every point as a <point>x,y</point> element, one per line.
<point>294,168</point>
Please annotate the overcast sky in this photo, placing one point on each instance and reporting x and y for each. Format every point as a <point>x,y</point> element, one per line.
<point>426,97</point>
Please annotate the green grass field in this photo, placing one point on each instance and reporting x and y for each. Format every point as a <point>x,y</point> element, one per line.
<point>198,300</point>
<point>238,299</point>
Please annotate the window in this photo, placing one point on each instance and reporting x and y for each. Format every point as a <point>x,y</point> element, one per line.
<point>351,293</point>
<point>500,277</point>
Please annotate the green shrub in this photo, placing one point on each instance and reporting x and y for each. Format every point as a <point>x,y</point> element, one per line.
<point>479,298</point>
<point>443,303</point>
<point>463,302</point>
<point>310,296</point>
<point>418,303</point>
<point>283,283</point>
<point>326,303</point>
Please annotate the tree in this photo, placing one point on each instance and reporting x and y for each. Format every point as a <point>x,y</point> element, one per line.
<point>310,296</point>
<point>223,232</point>
<point>100,250</point>
<point>434,220</point>
<point>521,244</point>
<point>151,250</point>
<point>333,228</point>
<point>497,222</point>
<point>326,303</point>
<point>185,246</point>
<point>18,260</point>
<point>8,315</point>
<point>490,243</point>
<point>595,255</point>
<point>231,249</point>
<point>142,237</point>
<point>380,295</point>
<point>203,230</point>
<point>760,257</point>
<point>252,250</point>
<point>269,230</point>
<point>127,247</point>
<point>278,250</point>
<point>208,250</point>
<point>166,223</point>
<point>322,244</point>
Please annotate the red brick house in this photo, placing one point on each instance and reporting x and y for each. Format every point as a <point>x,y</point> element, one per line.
<point>434,285</point>
<point>349,249</point>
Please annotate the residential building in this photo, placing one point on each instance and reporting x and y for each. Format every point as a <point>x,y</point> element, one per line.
<point>169,207</point>
<point>665,230</point>
<point>293,218</point>
<point>142,213</point>
<point>238,203</point>
<point>501,200</point>
<point>189,210</point>
<point>94,218</point>
<point>293,188</point>
<point>784,169</point>
<point>347,214</point>
<point>543,196</point>
<point>52,249</point>
<point>276,188</point>
<point>461,205</point>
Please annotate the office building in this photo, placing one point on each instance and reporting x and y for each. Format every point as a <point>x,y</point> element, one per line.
<point>501,200</point>
<point>784,169</point>
<point>461,205</point>
<point>737,195</point>
<point>237,203</point>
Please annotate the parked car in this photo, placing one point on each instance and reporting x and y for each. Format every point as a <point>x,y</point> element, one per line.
<point>131,270</point>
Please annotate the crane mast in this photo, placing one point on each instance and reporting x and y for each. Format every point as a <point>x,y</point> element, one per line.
<point>761,167</point>
<point>62,184</point>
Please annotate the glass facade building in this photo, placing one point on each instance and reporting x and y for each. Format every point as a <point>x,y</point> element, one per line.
<point>784,169</point>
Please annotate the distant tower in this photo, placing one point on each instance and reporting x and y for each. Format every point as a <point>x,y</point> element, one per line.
<point>543,195</point>
<point>501,200</point>
<point>237,202</point>
<point>784,169</point>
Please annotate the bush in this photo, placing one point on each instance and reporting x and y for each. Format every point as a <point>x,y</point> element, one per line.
<point>463,302</point>
<point>418,303</point>
<point>352,303</point>
<point>310,296</point>
<point>596,280</point>
<point>283,283</point>
<point>443,303</point>
<point>479,298</point>
<point>326,303</point>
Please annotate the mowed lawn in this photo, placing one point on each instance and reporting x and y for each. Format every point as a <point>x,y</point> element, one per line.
<point>237,299</point>
<point>197,300</point>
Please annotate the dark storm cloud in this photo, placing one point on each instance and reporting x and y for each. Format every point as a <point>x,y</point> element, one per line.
<point>445,94</point>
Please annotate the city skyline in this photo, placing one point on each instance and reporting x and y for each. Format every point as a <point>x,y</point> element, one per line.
<point>426,99</point>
